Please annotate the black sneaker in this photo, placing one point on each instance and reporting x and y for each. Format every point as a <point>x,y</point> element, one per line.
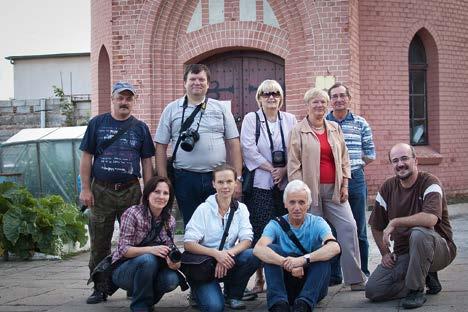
<point>249,295</point>
<point>301,306</point>
<point>414,299</point>
<point>280,306</point>
<point>432,284</point>
<point>96,297</point>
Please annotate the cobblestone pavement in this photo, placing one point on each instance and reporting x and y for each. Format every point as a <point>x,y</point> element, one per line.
<point>61,285</point>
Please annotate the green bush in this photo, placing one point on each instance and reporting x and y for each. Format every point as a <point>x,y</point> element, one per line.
<point>29,225</point>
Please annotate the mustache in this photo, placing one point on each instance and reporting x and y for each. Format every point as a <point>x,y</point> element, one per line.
<point>123,106</point>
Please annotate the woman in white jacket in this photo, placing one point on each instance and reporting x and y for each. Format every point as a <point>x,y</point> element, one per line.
<point>203,234</point>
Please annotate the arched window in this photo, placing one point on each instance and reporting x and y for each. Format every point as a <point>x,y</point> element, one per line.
<point>418,93</point>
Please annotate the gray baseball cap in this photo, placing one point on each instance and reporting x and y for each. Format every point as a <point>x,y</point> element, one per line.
<point>122,86</point>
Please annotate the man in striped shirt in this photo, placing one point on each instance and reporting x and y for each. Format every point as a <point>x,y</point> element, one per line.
<point>410,209</point>
<point>361,149</point>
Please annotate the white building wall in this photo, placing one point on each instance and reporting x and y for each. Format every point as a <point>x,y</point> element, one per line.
<point>34,78</point>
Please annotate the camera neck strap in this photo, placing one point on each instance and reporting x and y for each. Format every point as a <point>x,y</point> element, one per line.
<point>187,123</point>
<point>234,206</point>
<point>269,132</point>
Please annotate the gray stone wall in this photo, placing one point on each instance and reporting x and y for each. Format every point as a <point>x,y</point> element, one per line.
<point>20,114</point>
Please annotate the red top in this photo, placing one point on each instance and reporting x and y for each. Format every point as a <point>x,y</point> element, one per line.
<point>327,162</point>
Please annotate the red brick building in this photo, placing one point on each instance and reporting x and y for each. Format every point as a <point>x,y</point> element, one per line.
<point>406,62</point>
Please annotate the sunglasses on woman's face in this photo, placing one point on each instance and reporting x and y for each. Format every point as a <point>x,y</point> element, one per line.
<point>268,94</point>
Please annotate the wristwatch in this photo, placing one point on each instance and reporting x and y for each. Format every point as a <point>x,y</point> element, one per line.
<point>307,258</point>
<point>240,178</point>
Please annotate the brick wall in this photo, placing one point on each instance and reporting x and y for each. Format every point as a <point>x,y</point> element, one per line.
<point>20,114</point>
<point>386,29</point>
<point>362,43</point>
<point>101,50</point>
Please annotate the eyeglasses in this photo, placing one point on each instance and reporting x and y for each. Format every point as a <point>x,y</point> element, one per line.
<point>340,95</point>
<point>266,95</point>
<point>396,160</point>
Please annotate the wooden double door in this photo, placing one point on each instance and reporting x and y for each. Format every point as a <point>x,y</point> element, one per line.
<point>235,77</point>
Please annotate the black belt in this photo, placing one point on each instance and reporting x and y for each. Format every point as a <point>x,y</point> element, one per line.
<point>117,186</point>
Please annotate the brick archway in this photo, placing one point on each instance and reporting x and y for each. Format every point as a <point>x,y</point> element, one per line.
<point>104,81</point>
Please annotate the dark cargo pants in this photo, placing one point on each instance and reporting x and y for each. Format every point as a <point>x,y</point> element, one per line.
<point>108,205</point>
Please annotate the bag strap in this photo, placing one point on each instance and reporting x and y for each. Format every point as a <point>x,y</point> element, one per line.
<point>187,123</point>
<point>104,145</point>
<point>234,206</point>
<point>257,128</point>
<point>287,228</point>
<point>153,233</point>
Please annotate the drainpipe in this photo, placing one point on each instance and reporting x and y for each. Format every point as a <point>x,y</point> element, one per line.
<point>43,112</point>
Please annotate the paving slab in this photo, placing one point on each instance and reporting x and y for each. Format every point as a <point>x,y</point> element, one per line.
<point>60,285</point>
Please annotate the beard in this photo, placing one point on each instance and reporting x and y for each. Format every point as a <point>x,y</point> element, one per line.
<point>405,176</point>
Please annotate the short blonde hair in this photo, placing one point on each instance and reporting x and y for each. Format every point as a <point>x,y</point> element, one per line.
<point>315,92</point>
<point>269,86</point>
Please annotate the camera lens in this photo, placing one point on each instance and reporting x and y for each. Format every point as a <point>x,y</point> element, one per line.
<point>175,255</point>
<point>189,138</point>
<point>188,144</point>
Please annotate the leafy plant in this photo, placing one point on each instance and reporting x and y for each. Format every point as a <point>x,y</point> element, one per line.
<point>29,224</point>
<point>67,106</point>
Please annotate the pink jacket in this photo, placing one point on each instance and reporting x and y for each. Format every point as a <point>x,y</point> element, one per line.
<point>304,157</point>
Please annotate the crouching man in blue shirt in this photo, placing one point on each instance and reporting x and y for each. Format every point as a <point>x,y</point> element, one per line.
<point>294,277</point>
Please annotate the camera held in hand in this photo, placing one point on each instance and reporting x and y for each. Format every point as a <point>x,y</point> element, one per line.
<point>188,139</point>
<point>175,255</point>
<point>278,159</point>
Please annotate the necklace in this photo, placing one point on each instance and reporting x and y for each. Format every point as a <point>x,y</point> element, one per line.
<point>314,127</point>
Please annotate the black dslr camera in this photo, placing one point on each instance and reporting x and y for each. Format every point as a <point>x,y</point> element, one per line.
<point>188,139</point>
<point>175,255</point>
<point>278,159</point>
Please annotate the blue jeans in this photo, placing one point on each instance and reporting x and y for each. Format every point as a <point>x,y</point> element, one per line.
<point>147,279</point>
<point>358,202</point>
<point>312,288</point>
<point>209,295</point>
<point>191,189</point>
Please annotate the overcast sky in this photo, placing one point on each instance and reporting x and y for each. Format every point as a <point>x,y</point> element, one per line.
<point>29,27</point>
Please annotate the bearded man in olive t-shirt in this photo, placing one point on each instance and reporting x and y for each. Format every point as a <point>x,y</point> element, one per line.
<point>411,210</point>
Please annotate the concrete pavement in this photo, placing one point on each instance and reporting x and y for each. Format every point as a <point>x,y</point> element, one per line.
<point>61,285</point>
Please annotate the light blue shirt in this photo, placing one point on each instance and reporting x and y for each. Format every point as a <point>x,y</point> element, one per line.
<point>311,234</point>
<point>358,138</point>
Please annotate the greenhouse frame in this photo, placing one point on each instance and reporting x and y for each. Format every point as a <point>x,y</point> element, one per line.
<point>45,160</point>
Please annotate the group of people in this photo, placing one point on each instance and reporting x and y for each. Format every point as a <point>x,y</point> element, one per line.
<point>302,226</point>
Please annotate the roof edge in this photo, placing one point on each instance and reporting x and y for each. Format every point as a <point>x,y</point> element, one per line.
<point>43,56</point>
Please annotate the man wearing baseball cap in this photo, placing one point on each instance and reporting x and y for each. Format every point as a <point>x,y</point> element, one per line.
<point>113,147</point>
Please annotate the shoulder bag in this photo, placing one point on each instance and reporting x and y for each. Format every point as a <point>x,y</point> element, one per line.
<point>201,268</point>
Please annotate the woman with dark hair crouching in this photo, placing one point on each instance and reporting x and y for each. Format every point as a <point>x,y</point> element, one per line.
<point>149,268</point>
